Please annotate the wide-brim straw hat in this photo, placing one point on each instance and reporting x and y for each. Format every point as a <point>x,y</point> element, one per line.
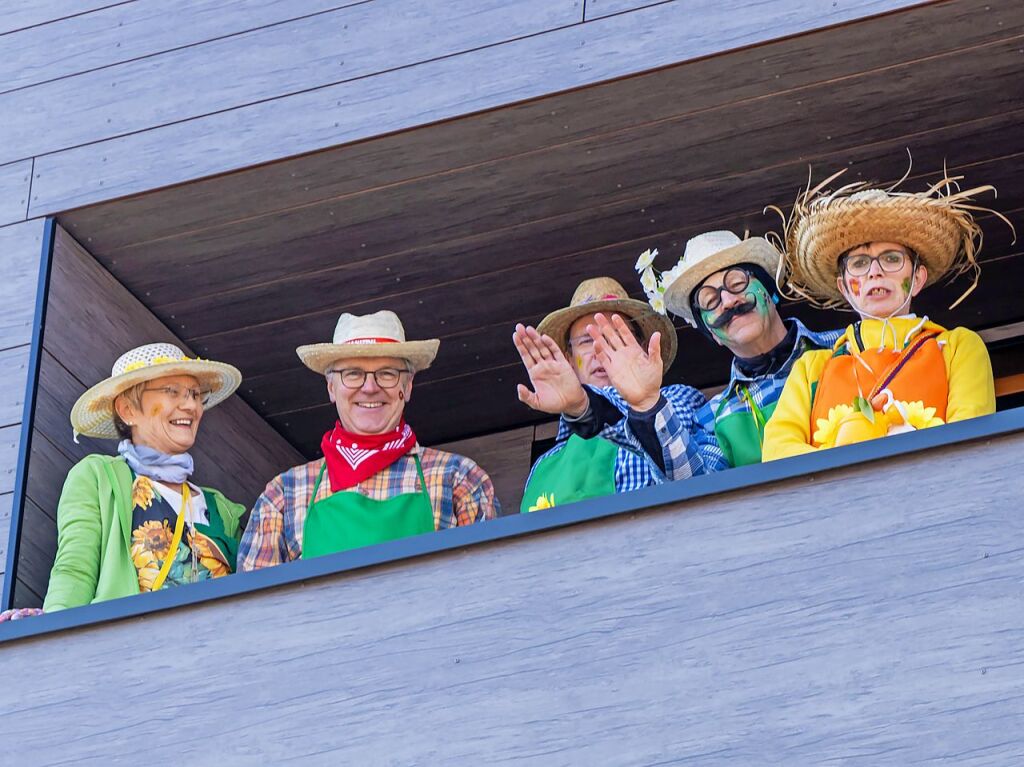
<point>380,334</point>
<point>603,294</point>
<point>711,252</point>
<point>937,224</point>
<point>93,413</point>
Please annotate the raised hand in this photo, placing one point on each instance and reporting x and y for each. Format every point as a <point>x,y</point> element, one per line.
<point>18,613</point>
<point>556,389</point>
<point>634,372</point>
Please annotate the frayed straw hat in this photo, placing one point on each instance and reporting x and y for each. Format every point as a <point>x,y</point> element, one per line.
<point>93,413</point>
<point>369,335</point>
<point>937,224</point>
<point>708,253</point>
<point>603,294</point>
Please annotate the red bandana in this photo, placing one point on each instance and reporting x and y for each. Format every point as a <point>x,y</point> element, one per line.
<point>351,458</point>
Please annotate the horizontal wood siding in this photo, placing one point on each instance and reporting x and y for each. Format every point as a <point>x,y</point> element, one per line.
<point>401,98</point>
<point>15,182</point>
<point>17,16</point>
<point>870,614</point>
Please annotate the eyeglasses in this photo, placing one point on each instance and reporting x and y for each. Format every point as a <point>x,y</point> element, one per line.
<point>354,378</point>
<point>734,281</point>
<point>179,393</point>
<point>860,264</point>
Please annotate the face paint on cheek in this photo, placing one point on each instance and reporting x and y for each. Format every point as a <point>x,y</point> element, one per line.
<point>155,411</point>
<point>718,333</point>
<point>579,362</point>
<point>906,284</point>
<point>759,296</point>
<point>855,286</point>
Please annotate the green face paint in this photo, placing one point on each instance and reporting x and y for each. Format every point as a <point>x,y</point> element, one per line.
<point>906,285</point>
<point>756,293</point>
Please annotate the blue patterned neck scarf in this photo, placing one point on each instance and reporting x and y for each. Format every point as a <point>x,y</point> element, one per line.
<point>151,463</point>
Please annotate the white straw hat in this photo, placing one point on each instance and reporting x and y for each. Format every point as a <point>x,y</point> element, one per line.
<point>369,335</point>
<point>93,413</point>
<point>708,253</point>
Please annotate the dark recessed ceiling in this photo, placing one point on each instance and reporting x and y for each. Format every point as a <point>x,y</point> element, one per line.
<point>467,227</point>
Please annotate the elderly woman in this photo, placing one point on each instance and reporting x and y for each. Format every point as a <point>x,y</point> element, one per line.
<point>136,522</point>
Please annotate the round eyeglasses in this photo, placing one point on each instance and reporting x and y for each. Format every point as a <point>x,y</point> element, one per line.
<point>734,281</point>
<point>180,393</point>
<point>354,378</point>
<point>860,264</point>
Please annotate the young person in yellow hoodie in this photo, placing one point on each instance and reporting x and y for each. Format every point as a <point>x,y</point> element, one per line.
<point>891,371</point>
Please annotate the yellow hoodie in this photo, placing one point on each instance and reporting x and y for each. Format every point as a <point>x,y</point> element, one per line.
<point>968,368</point>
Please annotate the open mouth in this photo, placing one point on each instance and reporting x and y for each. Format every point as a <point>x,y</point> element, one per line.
<point>370,405</point>
<point>184,422</point>
<point>878,292</point>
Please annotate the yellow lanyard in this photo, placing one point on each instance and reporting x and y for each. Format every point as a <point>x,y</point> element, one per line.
<point>172,551</point>
<point>755,411</point>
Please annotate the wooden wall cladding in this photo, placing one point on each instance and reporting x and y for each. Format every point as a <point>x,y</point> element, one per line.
<point>463,244</point>
<point>21,16</point>
<point>487,77</point>
<point>15,183</point>
<point>868,611</point>
<point>20,246</point>
<point>92,320</point>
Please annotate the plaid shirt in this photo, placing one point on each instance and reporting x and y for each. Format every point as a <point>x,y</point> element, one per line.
<point>633,468</point>
<point>460,493</point>
<point>675,432</point>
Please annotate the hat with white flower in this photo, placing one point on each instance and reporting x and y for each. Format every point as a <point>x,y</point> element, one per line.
<point>603,294</point>
<point>93,413</point>
<point>704,255</point>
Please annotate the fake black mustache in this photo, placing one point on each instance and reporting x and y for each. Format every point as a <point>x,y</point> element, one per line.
<point>732,313</point>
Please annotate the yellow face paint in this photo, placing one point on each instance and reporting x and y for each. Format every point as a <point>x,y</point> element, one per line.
<point>155,411</point>
<point>579,362</point>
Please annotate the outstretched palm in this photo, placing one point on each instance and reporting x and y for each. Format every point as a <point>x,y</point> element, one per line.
<point>556,389</point>
<point>635,373</point>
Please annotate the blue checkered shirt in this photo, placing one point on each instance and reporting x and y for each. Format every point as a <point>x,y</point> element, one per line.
<point>675,432</point>
<point>633,468</point>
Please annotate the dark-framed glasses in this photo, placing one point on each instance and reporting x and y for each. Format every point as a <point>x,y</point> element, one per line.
<point>735,281</point>
<point>182,393</point>
<point>354,378</point>
<point>860,264</point>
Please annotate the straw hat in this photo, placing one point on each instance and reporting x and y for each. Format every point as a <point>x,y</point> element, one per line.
<point>936,224</point>
<point>369,335</point>
<point>708,253</point>
<point>603,294</point>
<point>93,413</point>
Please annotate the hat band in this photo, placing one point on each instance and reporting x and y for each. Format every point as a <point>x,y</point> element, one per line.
<point>371,341</point>
<point>605,297</point>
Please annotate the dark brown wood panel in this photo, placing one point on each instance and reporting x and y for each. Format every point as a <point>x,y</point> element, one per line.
<point>506,459</point>
<point>15,182</point>
<point>24,596</point>
<point>36,552</point>
<point>21,245</point>
<point>404,98</point>
<point>18,16</point>
<point>711,82</point>
<point>237,452</point>
<point>266,64</point>
<point>131,31</point>
<point>689,154</point>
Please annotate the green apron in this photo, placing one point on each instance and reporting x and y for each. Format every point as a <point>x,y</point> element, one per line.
<point>741,434</point>
<point>349,520</point>
<point>584,468</point>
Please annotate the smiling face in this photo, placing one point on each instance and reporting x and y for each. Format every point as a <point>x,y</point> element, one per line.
<point>369,409</point>
<point>879,292</point>
<point>581,348</point>
<point>167,415</point>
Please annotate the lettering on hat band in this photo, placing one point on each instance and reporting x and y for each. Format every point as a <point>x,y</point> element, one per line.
<point>372,341</point>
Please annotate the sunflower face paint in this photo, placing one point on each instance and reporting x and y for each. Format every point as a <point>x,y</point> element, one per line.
<point>855,286</point>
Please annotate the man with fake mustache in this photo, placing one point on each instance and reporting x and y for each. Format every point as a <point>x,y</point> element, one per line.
<point>723,286</point>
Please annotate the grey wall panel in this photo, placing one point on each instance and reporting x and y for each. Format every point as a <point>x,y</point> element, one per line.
<point>417,95</point>
<point>267,63</point>
<point>17,16</point>
<point>5,526</point>
<point>20,246</point>
<point>870,614</point>
<point>10,438</point>
<point>15,183</point>
<point>134,30</point>
<point>597,9</point>
<point>13,372</point>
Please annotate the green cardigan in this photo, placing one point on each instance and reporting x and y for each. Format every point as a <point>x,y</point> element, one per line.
<point>94,520</point>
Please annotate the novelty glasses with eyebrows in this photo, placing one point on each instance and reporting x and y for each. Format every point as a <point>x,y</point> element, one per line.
<point>734,281</point>
<point>860,264</point>
<point>354,378</point>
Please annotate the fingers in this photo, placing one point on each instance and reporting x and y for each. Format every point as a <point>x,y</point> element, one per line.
<point>554,352</point>
<point>654,348</point>
<point>529,344</point>
<point>603,329</point>
<point>624,333</point>
<point>526,396</point>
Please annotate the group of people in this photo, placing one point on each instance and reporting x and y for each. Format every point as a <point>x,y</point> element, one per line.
<point>137,522</point>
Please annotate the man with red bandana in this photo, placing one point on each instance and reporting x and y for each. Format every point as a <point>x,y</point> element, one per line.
<point>374,483</point>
